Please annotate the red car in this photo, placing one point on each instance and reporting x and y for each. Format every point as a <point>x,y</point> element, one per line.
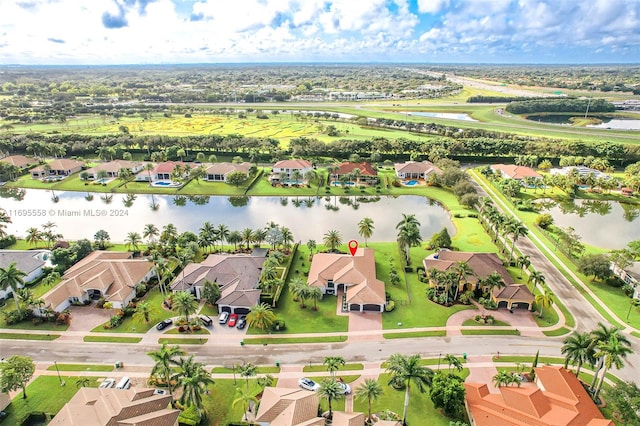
<point>232,320</point>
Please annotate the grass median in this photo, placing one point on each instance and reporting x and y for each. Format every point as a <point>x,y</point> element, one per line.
<point>111,339</point>
<point>27,336</point>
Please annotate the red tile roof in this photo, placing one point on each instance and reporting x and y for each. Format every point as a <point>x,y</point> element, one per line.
<point>366,169</point>
<point>516,172</point>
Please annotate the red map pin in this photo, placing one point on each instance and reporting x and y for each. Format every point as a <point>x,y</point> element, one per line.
<point>353,247</point>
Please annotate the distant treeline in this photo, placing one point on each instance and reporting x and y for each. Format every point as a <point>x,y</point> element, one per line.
<point>481,99</point>
<point>560,105</point>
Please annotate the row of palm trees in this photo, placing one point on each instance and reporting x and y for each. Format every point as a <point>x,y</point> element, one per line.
<point>605,347</point>
<point>501,224</point>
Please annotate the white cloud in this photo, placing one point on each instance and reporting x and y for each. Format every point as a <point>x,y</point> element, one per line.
<point>431,6</point>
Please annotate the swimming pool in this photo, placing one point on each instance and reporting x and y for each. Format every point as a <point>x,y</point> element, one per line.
<point>103,180</point>
<point>410,183</point>
<point>166,184</point>
<point>292,182</point>
<point>345,183</point>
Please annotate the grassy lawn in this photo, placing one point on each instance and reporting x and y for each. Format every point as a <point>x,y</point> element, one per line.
<point>435,333</point>
<point>26,336</point>
<point>218,403</point>
<point>186,341</point>
<point>557,332</point>
<point>495,323</point>
<point>175,331</point>
<point>44,394</point>
<point>81,367</point>
<point>261,370</point>
<point>490,332</point>
<point>111,339</point>
<point>284,340</point>
<point>529,359</point>
<point>420,405</point>
<point>322,367</point>
<point>130,326</point>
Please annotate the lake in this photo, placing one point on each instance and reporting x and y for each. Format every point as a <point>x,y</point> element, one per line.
<point>604,224</point>
<point>307,217</point>
<point>447,115</point>
<point>606,122</point>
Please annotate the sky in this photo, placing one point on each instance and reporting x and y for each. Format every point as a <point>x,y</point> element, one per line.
<point>225,31</point>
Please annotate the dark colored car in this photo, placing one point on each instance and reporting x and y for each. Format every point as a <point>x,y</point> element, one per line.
<point>242,322</point>
<point>232,320</point>
<point>164,324</point>
<point>206,320</point>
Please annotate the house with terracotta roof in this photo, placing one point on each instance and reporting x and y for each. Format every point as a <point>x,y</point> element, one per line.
<point>557,399</point>
<point>630,275</point>
<point>162,171</point>
<point>115,407</point>
<point>31,262</point>
<point>354,275</point>
<point>359,172</point>
<point>482,264</point>
<point>218,172</point>
<point>512,171</point>
<point>283,170</point>
<point>108,274</point>
<point>20,161</point>
<point>112,168</point>
<point>416,169</point>
<point>61,168</point>
<point>237,276</point>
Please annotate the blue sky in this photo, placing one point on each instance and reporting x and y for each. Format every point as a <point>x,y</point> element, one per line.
<point>426,31</point>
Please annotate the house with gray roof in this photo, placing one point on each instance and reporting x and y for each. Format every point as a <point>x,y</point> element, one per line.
<point>31,262</point>
<point>218,172</point>
<point>630,275</point>
<point>237,276</point>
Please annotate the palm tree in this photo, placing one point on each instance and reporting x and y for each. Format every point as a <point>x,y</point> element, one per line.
<point>536,278</point>
<point>330,390</point>
<point>365,229</point>
<point>234,238</point>
<point>245,398</point>
<point>247,370</point>
<point>143,311</point>
<point>523,262</point>
<point>517,230</point>
<point>315,294</point>
<point>133,240</point>
<point>408,234</point>
<point>261,316</point>
<point>193,379</point>
<point>164,359</point>
<point>603,334</point>
<point>332,239</point>
<point>34,236</point>
<point>311,245</point>
<point>453,360</point>
<point>406,370</point>
<point>544,300</point>
<point>185,303</point>
<point>150,232</point>
<point>462,270</point>
<point>247,236</point>
<point>578,347</point>
<point>612,352</point>
<point>503,378</point>
<point>223,233</point>
<point>492,281</point>
<point>83,382</point>
<point>333,364</point>
<point>11,278</point>
<point>369,391</point>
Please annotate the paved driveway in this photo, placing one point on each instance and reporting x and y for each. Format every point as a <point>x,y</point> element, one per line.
<point>86,318</point>
<point>365,321</point>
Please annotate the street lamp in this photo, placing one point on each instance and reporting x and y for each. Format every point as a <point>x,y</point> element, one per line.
<point>439,355</point>
<point>62,383</point>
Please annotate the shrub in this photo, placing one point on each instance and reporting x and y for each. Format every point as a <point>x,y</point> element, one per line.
<point>390,306</point>
<point>614,282</point>
<point>466,297</point>
<point>279,325</point>
<point>544,220</point>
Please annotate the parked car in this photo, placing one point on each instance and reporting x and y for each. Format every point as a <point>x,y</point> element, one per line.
<point>159,392</point>
<point>107,383</point>
<point>164,324</point>
<point>308,384</point>
<point>224,316</point>
<point>345,388</point>
<point>242,322</point>
<point>206,320</point>
<point>233,318</point>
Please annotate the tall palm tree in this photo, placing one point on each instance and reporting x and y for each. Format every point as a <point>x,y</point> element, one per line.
<point>223,233</point>
<point>493,280</point>
<point>578,347</point>
<point>523,262</point>
<point>247,370</point>
<point>544,299</point>
<point>462,270</point>
<point>369,391</point>
<point>12,278</point>
<point>315,294</point>
<point>150,232</point>
<point>245,398</point>
<point>311,245</point>
<point>34,236</point>
<point>601,334</point>
<point>193,379</point>
<point>143,311</point>
<point>333,364</point>
<point>234,238</point>
<point>133,240</point>
<point>517,230</point>
<point>406,369</point>
<point>365,229</point>
<point>536,278</point>
<point>165,360</point>
<point>332,239</point>
<point>330,390</point>
<point>247,236</point>
<point>185,303</point>
<point>453,361</point>
<point>408,234</point>
<point>261,316</point>
<point>612,352</point>
<point>503,378</point>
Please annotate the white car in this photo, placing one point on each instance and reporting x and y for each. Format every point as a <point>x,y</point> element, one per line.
<point>224,316</point>
<point>346,389</point>
<point>308,384</point>
<point>107,383</point>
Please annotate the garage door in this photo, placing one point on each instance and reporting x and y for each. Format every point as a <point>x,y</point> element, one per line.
<point>371,307</point>
<point>241,311</point>
<point>520,306</point>
<point>225,309</point>
<point>502,304</point>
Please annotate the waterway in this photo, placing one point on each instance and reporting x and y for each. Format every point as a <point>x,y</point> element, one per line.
<point>606,122</point>
<point>307,217</point>
<point>447,115</point>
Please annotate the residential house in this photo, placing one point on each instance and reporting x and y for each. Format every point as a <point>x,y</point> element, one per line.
<point>237,276</point>
<point>482,264</point>
<point>416,169</point>
<point>557,399</point>
<point>580,170</point>
<point>282,171</point>
<point>359,172</point>
<point>354,275</point>
<point>60,168</point>
<point>111,275</point>
<point>630,275</point>
<point>114,407</point>
<point>112,168</point>
<point>218,172</point>
<point>20,161</point>
<point>162,171</point>
<point>31,262</point>
<point>512,171</point>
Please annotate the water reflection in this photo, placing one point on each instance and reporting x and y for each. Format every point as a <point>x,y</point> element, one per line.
<point>307,217</point>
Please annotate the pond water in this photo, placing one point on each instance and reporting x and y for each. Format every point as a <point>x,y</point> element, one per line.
<point>604,224</point>
<point>447,115</point>
<point>607,122</point>
<point>307,217</point>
